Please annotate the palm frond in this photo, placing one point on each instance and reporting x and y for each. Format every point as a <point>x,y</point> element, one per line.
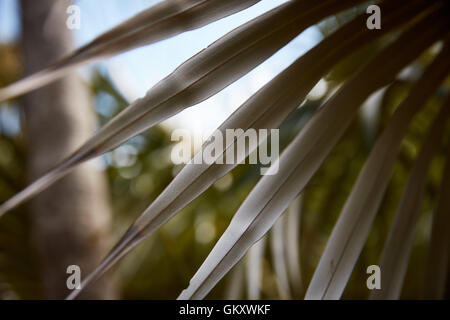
<point>422,23</point>
<point>300,160</point>
<point>254,269</point>
<point>353,225</point>
<point>200,77</point>
<point>271,104</point>
<point>279,256</point>
<point>235,285</point>
<point>157,23</point>
<point>396,252</point>
<point>293,253</point>
<point>439,247</point>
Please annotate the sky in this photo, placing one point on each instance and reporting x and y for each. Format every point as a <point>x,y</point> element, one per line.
<point>136,71</point>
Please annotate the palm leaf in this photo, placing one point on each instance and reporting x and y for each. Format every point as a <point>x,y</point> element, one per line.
<point>279,254</point>
<point>394,260</point>
<point>205,74</point>
<point>353,225</point>
<point>236,283</point>
<point>254,269</point>
<point>273,193</point>
<point>293,246</point>
<point>272,104</point>
<point>438,255</point>
<point>157,23</point>
<point>227,60</point>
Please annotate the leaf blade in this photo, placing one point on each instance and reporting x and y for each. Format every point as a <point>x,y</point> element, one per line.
<point>181,89</point>
<point>159,22</point>
<point>273,193</point>
<point>439,247</point>
<point>186,186</point>
<point>353,225</point>
<point>396,252</point>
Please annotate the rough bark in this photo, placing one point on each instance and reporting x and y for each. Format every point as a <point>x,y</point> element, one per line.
<point>71,219</point>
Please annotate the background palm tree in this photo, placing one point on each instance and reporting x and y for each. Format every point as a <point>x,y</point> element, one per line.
<point>70,221</point>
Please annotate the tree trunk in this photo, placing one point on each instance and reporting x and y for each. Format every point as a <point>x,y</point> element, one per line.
<point>71,219</point>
